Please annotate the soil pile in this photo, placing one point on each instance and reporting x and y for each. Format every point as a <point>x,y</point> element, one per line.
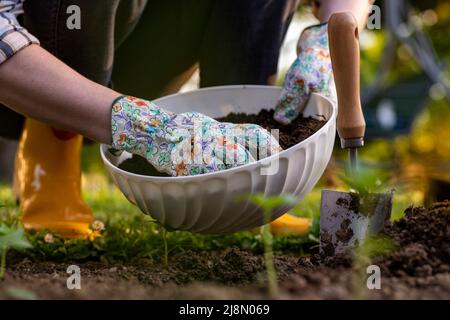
<point>289,135</point>
<point>139,165</point>
<point>423,236</point>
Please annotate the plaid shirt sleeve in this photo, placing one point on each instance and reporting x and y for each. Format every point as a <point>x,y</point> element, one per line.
<point>13,37</point>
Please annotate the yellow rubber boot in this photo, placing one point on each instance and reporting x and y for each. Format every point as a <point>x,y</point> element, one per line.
<point>48,181</point>
<point>289,224</point>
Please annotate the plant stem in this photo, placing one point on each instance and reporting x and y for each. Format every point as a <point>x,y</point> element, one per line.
<point>3,264</point>
<point>359,292</point>
<point>268,257</point>
<point>360,263</point>
<point>166,250</point>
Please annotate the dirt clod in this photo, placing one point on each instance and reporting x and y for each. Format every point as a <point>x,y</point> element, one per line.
<point>345,233</point>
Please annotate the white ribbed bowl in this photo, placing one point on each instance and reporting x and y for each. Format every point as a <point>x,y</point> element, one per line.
<point>217,203</point>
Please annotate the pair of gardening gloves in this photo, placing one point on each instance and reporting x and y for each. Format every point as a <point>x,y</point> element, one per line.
<point>192,143</point>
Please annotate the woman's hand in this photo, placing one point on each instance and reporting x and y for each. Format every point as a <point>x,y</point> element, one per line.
<point>311,72</point>
<point>188,143</point>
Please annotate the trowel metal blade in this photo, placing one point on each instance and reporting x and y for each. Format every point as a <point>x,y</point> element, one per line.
<point>345,220</point>
<point>353,159</point>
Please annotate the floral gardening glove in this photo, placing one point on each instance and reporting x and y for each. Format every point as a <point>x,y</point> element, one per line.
<point>184,144</point>
<point>311,72</point>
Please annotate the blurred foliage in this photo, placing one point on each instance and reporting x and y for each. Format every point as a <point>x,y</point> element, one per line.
<point>415,160</point>
<point>14,238</point>
<point>366,180</point>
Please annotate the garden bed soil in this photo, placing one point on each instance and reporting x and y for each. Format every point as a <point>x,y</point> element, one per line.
<point>289,135</point>
<point>418,269</point>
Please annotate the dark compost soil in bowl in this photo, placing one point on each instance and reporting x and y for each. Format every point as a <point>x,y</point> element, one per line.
<point>417,269</point>
<point>289,135</point>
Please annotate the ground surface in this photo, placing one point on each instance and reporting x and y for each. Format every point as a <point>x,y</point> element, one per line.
<point>415,267</point>
<point>128,260</point>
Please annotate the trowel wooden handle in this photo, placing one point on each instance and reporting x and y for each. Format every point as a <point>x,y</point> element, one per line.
<point>345,57</point>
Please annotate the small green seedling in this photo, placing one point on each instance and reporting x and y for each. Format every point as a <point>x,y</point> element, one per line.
<point>365,180</point>
<point>11,238</point>
<point>20,294</point>
<point>368,186</point>
<point>373,246</point>
<point>164,232</point>
<point>267,204</point>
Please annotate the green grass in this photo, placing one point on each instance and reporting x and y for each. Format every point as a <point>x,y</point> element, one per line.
<point>11,237</point>
<point>130,234</point>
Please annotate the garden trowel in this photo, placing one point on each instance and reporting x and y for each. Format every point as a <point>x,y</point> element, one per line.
<point>347,218</point>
